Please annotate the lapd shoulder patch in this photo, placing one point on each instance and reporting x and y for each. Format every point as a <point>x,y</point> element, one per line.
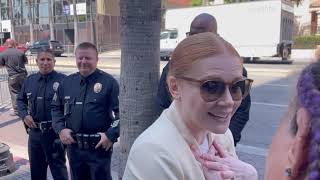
<point>115,123</point>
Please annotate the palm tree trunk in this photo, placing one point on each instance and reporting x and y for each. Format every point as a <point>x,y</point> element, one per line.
<point>30,17</point>
<point>140,23</point>
<point>11,19</point>
<point>51,20</point>
<point>75,22</point>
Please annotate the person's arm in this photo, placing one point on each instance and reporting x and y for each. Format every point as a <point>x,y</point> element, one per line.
<point>24,107</point>
<point>114,131</point>
<point>22,102</point>
<point>240,119</point>
<point>25,59</point>
<point>241,116</point>
<point>163,95</point>
<point>2,63</point>
<point>57,110</point>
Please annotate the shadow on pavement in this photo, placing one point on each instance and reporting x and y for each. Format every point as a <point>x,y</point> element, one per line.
<point>4,109</point>
<point>7,123</point>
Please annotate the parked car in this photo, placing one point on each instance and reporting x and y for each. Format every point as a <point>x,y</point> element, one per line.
<point>20,47</point>
<point>168,41</point>
<point>55,46</point>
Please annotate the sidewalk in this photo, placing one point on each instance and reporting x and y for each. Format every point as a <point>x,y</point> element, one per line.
<point>19,150</point>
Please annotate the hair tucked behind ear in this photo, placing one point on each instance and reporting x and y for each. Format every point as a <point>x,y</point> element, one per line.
<point>309,97</point>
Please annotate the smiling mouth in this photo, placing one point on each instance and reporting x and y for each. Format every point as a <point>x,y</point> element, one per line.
<point>218,116</point>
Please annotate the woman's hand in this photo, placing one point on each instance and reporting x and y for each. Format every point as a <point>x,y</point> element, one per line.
<point>217,157</point>
<point>219,172</point>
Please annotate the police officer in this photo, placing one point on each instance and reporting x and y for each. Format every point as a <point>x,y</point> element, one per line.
<point>85,115</point>
<point>14,61</point>
<point>34,105</point>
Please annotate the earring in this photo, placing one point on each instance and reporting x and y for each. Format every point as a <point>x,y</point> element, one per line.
<point>288,172</point>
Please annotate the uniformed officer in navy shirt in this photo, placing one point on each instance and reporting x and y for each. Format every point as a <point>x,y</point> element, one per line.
<point>34,105</point>
<point>85,114</point>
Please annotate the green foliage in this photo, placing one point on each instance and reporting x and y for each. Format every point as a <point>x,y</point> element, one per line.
<point>196,2</point>
<point>306,42</point>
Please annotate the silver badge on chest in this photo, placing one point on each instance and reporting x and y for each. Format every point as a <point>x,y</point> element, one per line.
<point>97,87</point>
<point>55,86</point>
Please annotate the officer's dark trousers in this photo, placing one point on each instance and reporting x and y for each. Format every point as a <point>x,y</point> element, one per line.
<point>15,84</point>
<point>43,152</point>
<point>89,164</point>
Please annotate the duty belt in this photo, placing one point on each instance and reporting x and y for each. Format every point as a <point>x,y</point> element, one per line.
<point>86,141</point>
<point>44,126</point>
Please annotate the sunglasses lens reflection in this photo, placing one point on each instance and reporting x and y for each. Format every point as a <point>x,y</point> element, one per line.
<point>213,90</point>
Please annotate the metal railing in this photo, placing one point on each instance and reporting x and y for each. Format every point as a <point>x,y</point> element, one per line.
<point>5,98</point>
<point>4,89</point>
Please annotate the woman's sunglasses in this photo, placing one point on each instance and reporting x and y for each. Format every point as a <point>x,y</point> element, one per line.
<point>212,90</point>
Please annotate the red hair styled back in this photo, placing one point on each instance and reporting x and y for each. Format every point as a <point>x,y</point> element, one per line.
<point>197,47</point>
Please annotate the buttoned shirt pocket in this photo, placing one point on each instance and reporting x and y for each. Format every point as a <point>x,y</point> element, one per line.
<point>96,102</point>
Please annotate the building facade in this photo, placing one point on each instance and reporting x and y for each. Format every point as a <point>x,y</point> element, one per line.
<point>98,21</point>
<point>315,16</point>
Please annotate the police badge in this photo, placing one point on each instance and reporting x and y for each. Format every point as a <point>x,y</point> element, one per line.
<point>97,87</point>
<point>55,86</point>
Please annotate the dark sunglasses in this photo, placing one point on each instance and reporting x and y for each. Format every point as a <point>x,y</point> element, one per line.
<point>212,90</point>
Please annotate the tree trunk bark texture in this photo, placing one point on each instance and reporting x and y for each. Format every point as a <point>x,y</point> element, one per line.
<point>140,42</point>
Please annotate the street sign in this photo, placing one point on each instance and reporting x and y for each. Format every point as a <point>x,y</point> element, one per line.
<point>1,35</point>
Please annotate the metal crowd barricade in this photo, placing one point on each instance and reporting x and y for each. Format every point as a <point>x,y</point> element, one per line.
<point>4,89</point>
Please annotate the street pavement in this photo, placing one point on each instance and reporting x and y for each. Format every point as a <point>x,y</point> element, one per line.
<point>273,87</point>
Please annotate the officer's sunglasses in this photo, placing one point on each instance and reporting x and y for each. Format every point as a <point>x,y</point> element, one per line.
<point>212,90</point>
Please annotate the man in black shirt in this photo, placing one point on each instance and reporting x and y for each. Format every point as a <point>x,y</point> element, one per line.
<point>14,61</point>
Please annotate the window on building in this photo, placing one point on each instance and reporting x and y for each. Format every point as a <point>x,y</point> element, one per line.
<point>17,14</point>
<point>3,3</point>
<point>17,2</point>
<point>4,13</point>
<point>43,10</point>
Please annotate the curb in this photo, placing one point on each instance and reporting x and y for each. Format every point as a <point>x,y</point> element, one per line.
<point>21,152</point>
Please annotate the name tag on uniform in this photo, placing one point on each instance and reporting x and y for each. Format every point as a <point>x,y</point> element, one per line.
<point>79,103</point>
<point>39,98</point>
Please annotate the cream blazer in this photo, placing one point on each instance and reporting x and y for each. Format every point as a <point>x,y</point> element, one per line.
<point>162,152</point>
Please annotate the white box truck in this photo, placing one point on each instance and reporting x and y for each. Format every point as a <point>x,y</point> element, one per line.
<point>256,29</point>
